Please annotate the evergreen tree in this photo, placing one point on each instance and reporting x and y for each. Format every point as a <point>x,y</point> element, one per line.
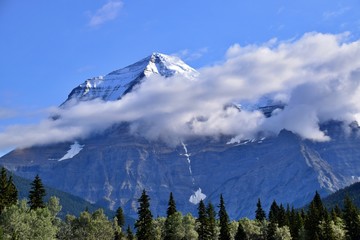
<point>295,223</point>
<point>337,211</point>
<point>260,214</point>
<point>202,220</point>
<point>211,223</point>
<point>224,221</point>
<point>12,193</point>
<point>37,194</point>
<point>143,224</point>
<point>316,214</point>
<point>240,233</point>
<point>120,217</point>
<point>327,232</point>
<point>274,212</point>
<point>282,221</point>
<point>8,191</point>
<point>173,222</point>
<point>171,206</point>
<point>351,219</point>
<point>129,233</point>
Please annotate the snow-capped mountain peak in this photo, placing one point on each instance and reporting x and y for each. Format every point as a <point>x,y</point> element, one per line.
<point>119,82</point>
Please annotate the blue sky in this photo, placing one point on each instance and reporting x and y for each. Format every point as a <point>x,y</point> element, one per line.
<point>49,47</point>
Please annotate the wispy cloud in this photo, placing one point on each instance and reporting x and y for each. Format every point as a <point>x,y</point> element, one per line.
<point>189,55</point>
<point>316,76</point>
<point>106,13</point>
<point>336,13</point>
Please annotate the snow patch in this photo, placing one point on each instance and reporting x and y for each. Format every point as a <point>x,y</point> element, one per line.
<point>197,197</point>
<point>187,155</point>
<point>73,151</point>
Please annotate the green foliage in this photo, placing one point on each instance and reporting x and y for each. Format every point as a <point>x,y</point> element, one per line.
<point>8,191</point>
<point>189,224</point>
<point>282,233</point>
<point>70,204</point>
<point>129,233</point>
<point>21,222</point>
<point>315,215</point>
<point>174,227</point>
<point>338,197</point>
<point>143,224</point>
<point>87,226</point>
<point>260,214</point>
<point>171,206</point>
<point>202,221</point>
<point>37,194</point>
<point>351,219</point>
<point>120,217</point>
<point>212,228</point>
<point>240,233</point>
<point>224,221</point>
<point>159,228</point>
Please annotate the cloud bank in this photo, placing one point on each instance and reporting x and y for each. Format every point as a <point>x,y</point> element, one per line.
<point>316,76</point>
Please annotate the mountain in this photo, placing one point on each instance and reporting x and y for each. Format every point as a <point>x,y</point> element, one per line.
<point>337,198</point>
<point>112,168</point>
<point>117,83</point>
<point>70,204</point>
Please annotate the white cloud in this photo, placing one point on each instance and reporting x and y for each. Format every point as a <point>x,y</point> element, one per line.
<point>106,13</point>
<point>317,76</point>
<point>188,55</point>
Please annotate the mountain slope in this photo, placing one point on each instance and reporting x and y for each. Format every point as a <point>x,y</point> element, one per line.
<point>112,168</point>
<point>117,83</point>
<point>70,204</point>
<point>338,197</point>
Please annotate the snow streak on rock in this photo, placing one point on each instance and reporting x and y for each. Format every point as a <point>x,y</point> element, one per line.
<point>187,155</point>
<point>73,151</point>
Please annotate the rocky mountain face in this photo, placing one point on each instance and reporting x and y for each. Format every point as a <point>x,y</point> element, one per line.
<point>112,168</point>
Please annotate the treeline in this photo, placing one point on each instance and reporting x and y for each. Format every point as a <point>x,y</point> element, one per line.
<point>36,219</point>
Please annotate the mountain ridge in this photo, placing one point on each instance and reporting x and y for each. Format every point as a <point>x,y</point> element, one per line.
<point>116,84</point>
<point>113,167</point>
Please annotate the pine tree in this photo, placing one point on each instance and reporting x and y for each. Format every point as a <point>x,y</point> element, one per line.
<point>211,223</point>
<point>143,224</point>
<point>202,221</point>
<point>260,214</point>
<point>282,221</point>
<point>316,214</point>
<point>327,232</point>
<point>37,194</point>
<point>351,219</point>
<point>240,233</point>
<point>171,206</point>
<point>274,212</point>
<point>120,217</point>
<point>273,220</point>
<point>173,223</point>
<point>295,223</point>
<point>8,191</point>
<point>224,221</point>
<point>129,233</point>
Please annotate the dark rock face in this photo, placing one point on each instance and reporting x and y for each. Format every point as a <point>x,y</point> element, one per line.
<point>113,168</point>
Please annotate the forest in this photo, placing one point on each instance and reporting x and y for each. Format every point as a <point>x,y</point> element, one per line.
<point>32,218</point>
